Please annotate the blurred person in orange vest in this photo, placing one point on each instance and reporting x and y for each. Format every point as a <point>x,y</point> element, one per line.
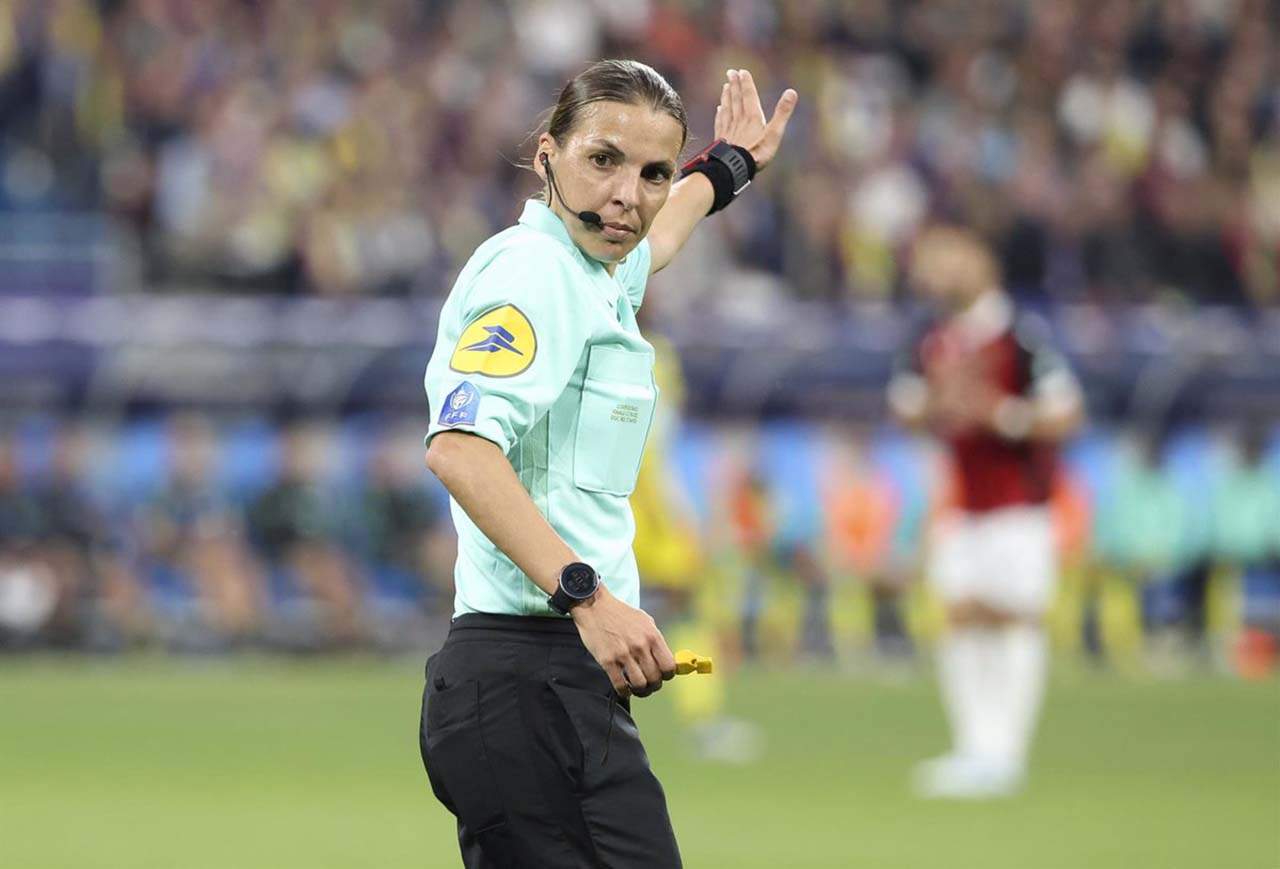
<point>865,512</point>
<point>775,535</point>
<point>984,383</point>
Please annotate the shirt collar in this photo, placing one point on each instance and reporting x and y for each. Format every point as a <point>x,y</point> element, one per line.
<point>537,216</point>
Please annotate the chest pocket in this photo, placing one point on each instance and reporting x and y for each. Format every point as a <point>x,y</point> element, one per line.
<point>618,399</point>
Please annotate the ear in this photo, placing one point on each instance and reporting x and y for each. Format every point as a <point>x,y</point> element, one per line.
<point>546,149</point>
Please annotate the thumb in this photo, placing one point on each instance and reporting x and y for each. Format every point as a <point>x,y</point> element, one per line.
<point>783,110</point>
<point>772,137</point>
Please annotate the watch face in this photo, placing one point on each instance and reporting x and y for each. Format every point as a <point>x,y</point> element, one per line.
<point>579,580</point>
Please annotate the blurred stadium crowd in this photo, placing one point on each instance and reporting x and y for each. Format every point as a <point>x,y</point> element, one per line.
<point>205,538</point>
<point>1118,151</point>
<point>201,534</point>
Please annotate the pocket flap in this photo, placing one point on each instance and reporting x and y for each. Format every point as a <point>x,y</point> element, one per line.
<point>620,366</point>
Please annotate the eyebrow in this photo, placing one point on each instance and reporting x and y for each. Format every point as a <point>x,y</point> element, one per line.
<point>618,154</point>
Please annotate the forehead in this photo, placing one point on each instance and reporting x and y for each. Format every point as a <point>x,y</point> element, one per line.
<point>644,133</point>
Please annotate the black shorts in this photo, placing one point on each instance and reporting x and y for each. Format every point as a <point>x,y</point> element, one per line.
<point>527,744</point>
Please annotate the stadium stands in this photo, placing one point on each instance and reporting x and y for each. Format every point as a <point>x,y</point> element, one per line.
<point>1118,152</point>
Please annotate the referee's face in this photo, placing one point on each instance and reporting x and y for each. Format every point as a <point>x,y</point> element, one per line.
<point>618,161</point>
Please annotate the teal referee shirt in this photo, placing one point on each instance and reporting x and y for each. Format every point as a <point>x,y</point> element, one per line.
<point>539,352</point>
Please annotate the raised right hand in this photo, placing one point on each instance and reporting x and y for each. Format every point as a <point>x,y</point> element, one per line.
<point>740,117</point>
<point>626,642</point>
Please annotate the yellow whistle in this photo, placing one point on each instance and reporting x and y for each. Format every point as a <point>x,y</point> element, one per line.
<point>687,662</point>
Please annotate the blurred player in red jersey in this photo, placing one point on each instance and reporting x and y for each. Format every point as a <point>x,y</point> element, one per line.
<point>981,381</point>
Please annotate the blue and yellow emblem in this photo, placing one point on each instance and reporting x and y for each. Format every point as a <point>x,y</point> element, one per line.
<point>498,343</point>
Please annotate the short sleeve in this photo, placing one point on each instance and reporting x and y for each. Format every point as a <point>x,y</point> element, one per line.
<point>633,273</point>
<point>1050,380</point>
<point>507,347</point>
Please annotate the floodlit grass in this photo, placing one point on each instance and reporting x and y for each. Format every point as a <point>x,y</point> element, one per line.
<point>148,763</point>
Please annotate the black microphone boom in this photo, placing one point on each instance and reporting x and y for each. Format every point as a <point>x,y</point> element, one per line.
<point>590,218</point>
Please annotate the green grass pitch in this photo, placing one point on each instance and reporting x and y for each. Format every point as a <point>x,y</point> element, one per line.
<point>146,763</point>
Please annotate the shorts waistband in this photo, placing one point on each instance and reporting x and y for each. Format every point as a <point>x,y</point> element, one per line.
<point>538,625</point>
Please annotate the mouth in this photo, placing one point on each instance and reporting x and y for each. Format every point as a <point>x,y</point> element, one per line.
<point>617,231</point>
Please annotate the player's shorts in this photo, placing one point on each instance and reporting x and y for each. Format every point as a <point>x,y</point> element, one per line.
<point>1004,559</point>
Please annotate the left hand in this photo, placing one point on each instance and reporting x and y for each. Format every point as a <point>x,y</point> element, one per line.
<point>740,117</point>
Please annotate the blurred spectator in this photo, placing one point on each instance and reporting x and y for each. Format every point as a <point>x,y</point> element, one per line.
<point>1150,530</point>
<point>72,538</point>
<point>1247,528</point>
<point>191,544</point>
<point>405,536</point>
<point>296,526</point>
<point>28,589</point>
<point>1140,525</point>
<point>1123,151</point>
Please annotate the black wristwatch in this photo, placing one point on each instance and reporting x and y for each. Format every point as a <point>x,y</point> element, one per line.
<point>578,582</point>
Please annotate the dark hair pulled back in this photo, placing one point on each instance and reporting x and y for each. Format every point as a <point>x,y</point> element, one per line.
<point>619,81</point>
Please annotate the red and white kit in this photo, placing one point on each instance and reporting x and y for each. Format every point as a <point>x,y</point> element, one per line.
<point>997,546</point>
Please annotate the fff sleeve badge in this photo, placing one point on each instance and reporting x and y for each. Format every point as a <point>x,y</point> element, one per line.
<point>460,406</point>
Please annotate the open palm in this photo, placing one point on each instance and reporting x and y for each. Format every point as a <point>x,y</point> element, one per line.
<point>740,118</point>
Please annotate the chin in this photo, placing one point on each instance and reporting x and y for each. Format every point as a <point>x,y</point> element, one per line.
<point>613,253</point>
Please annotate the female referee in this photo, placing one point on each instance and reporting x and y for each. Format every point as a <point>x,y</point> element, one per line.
<point>541,395</point>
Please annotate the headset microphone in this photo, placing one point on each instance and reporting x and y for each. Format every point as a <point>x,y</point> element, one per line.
<point>590,218</point>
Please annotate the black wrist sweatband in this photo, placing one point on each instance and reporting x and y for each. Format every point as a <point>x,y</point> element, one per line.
<point>729,168</point>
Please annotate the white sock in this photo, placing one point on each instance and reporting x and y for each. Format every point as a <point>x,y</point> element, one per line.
<point>962,672</point>
<point>1024,658</point>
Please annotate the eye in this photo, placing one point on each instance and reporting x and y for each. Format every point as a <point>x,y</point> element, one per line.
<point>601,160</point>
<point>657,176</point>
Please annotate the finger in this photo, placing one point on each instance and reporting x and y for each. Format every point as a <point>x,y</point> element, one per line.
<point>666,661</point>
<point>777,125</point>
<point>735,97</point>
<point>650,672</point>
<point>647,689</point>
<point>751,97</point>
<point>654,674</point>
<point>618,676</point>
<point>651,688</point>
<point>722,113</point>
<point>782,113</point>
<point>639,682</point>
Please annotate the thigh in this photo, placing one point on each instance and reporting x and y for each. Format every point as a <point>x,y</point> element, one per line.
<point>954,568</point>
<point>494,759</point>
<point>622,803</point>
<point>1020,570</point>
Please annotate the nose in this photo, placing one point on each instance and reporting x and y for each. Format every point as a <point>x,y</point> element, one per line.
<point>626,192</point>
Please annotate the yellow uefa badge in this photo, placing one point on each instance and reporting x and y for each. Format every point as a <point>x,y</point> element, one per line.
<point>499,343</point>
